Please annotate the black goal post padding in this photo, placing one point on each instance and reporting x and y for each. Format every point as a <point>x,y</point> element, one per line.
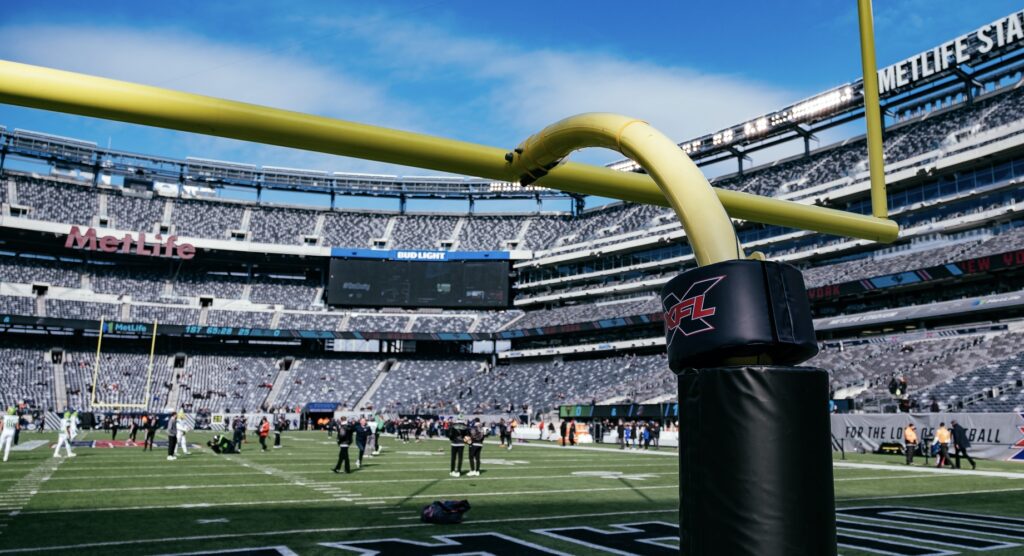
<point>756,462</point>
<point>755,454</point>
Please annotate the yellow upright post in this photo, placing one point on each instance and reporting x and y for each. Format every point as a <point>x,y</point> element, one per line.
<point>872,110</point>
<point>96,365</point>
<point>149,371</point>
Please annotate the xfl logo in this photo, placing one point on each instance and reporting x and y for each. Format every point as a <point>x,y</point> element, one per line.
<point>689,315</point>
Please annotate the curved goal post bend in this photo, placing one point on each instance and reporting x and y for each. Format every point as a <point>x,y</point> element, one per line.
<point>106,386</point>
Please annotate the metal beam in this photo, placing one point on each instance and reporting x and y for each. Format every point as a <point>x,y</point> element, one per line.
<point>75,93</point>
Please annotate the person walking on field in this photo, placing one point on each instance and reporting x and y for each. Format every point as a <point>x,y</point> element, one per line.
<point>344,441</point>
<point>9,426</point>
<point>942,438</point>
<point>64,439</point>
<point>181,441</point>
<point>172,437</point>
<point>264,431</point>
<point>910,442</point>
<point>149,423</point>
<point>960,444</point>
<point>362,431</point>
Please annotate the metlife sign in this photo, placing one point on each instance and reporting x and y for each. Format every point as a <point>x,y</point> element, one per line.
<point>970,48</point>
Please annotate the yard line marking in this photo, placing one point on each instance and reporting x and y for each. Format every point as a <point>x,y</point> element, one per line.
<point>168,487</point>
<point>314,531</point>
<point>882,478</point>
<point>930,495</point>
<point>335,500</point>
<point>887,467</point>
<point>30,484</point>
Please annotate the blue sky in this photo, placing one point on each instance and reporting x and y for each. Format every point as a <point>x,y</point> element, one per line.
<point>480,71</point>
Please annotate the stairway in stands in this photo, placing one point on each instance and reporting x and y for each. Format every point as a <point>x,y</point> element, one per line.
<point>382,372</point>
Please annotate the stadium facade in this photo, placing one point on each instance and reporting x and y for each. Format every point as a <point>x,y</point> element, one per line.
<point>214,295</point>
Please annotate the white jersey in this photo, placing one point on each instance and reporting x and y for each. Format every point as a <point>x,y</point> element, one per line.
<point>10,424</point>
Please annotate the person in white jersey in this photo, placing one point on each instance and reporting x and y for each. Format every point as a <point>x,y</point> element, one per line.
<point>64,439</point>
<point>9,427</point>
<point>74,425</point>
<point>182,429</point>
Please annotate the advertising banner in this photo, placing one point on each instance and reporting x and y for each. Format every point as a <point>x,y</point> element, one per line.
<point>992,435</point>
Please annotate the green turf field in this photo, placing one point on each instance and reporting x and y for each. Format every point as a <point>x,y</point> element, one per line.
<point>124,501</point>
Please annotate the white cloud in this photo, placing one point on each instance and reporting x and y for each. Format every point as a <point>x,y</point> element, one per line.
<point>178,60</point>
<point>188,62</point>
<point>529,89</point>
<point>499,93</point>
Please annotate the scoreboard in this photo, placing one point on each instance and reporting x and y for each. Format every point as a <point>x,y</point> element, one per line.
<point>400,283</point>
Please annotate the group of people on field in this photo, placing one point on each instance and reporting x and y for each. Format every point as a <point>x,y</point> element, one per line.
<point>957,435</point>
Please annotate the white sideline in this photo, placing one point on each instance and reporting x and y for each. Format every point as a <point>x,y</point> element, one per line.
<point>314,531</point>
<point>344,483</point>
<point>928,469</point>
<point>435,496</point>
<point>929,495</point>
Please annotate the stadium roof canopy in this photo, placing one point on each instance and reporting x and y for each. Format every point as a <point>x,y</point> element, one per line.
<point>953,71</point>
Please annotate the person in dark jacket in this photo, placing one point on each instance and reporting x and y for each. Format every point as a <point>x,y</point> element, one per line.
<point>502,432</point>
<point>362,432</point>
<point>172,436</point>
<point>562,428</point>
<point>238,429</point>
<point>279,427</point>
<point>345,432</point>
<point>476,437</point>
<point>150,425</point>
<point>961,444</point>
<point>457,433</point>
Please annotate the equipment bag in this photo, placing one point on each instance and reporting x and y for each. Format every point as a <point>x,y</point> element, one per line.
<point>447,511</point>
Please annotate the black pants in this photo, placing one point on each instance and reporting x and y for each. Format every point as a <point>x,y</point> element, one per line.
<point>944,455</point>
<point>362,448</point>
<point>113,433</point>
<point>172,443</point>
<point>237,440</point>
<point>263,442</point>
<point>376,442</point>
<point>457,455</point>
<point>961,450</point>
<point>342,458</point>
<point>474,457</point>
<point>277,438</point>
<point>133,434</point>
<point>148,443</point>
<point>909,450</point>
